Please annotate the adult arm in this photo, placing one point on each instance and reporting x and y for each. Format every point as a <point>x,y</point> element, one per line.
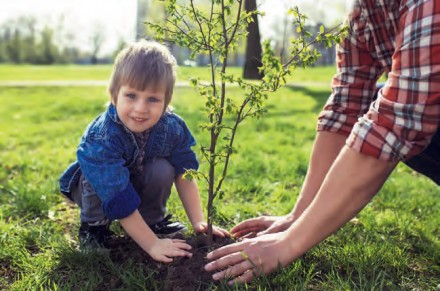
<point>325,150</point>
<point>353,90</point>
<point>403,119</point>
<point>350,184</point>
<point>398,125</point>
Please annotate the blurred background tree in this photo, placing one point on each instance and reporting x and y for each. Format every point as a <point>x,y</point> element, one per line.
<point>253,45</point>
<point>32,38</point>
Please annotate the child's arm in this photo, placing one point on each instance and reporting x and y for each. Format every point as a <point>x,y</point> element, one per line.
<point>159,249</point>
<point>189,194</point>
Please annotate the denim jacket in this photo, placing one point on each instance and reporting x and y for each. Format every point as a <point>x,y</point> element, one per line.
<point>108,151</point>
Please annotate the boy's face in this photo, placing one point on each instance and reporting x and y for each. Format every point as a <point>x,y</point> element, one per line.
<point>140,110</point>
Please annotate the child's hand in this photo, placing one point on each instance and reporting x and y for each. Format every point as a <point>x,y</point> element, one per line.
<point>163,249</point>
<point>202,227</point>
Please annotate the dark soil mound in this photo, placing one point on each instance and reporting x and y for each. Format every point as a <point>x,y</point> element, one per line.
<point>182,274</point>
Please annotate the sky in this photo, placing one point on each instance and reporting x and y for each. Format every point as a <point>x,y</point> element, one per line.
<point>116,19</point>
<point>330,12</point>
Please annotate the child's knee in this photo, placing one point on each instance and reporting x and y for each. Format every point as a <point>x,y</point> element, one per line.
<point>163,171</point>
<point>160,172</point>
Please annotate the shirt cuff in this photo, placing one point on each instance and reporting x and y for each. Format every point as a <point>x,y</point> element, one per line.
<point>377,141</point>
<point>332,121</point>
<point>122,204</point>
<point>190,165</point>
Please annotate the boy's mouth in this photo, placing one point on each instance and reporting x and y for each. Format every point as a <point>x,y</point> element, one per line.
<point>139,119</point>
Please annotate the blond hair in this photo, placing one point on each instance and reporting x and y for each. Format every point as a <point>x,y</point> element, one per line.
<point>141,65</point>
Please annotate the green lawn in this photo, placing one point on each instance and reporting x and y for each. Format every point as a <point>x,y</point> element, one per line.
<point>55,72</point>
<point>394,244</point>
<point>102,72</point>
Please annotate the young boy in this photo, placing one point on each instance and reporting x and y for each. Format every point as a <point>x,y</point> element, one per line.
<point>130,156</point>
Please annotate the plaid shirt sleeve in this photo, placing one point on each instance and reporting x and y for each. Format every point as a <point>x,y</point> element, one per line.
<point>402,37</point>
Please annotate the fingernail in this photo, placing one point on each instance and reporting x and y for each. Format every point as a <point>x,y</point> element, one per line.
<point>215,277</point>
<point>209,256</point>
<point>208,267</point>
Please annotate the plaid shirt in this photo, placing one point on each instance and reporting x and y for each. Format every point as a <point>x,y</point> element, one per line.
<point>401,37</point>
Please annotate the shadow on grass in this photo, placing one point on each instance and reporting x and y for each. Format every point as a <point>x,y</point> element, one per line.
<point>125,266</point>
<point>320,96</point>
<point>368,259</point>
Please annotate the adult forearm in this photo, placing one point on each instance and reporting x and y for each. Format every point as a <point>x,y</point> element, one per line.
<point>350,184</point>
<point>326,148</point>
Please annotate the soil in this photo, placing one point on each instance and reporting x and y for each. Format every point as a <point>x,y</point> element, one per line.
<point>182,274</point>
<point>7,273</point>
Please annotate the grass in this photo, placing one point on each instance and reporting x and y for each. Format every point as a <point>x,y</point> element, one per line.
<point>55,72</point>
<point>393,244</point>
<point>102,72</point>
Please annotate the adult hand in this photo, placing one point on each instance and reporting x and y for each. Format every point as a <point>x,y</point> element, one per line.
<point>202,227</point>
<point>262,225</point>
<point>241,262</point>
<point>163,250</point>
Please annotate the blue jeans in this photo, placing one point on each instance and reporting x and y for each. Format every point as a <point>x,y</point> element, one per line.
<point>153,187</point>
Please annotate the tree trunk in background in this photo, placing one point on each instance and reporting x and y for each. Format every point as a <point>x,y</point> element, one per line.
<point>253,45</point>
<point>141,16</point>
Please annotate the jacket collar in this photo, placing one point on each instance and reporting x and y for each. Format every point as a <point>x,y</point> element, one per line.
<point>113,114</point>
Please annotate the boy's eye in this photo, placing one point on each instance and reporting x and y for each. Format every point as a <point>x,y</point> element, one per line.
<point>131,96</point>
<point>153,99</point>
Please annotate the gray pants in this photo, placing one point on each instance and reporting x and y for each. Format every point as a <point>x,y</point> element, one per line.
<point>153,187</point>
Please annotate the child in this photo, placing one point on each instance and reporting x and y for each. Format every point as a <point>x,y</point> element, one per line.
<point>131,154</point>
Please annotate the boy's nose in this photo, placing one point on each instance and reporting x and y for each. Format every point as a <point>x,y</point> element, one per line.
<point>141,106</point>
